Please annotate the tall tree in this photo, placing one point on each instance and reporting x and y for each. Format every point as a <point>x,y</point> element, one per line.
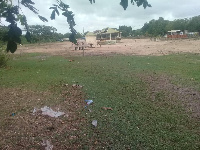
<point>155,27</point>
<point>194,24</point>
<point>180,24</point>
<point>42,33</point>
<point>126,31</point>
<point>161,26</point>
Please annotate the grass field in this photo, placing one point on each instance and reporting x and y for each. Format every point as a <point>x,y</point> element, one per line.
<point>154,101</point>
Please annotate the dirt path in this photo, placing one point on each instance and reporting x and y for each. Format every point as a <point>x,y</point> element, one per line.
<point>126,47</point>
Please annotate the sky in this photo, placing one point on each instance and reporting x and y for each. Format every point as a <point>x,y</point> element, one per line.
<point>109,13</point>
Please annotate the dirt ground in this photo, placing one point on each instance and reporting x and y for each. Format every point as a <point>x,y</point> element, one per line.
<point>126,47</point>
<point>22,129</point>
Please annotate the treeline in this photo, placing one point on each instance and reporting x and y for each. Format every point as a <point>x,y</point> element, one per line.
<point>40,34</point>
<point>160,27</point>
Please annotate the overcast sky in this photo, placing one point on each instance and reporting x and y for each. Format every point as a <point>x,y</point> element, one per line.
<point>109,13</point>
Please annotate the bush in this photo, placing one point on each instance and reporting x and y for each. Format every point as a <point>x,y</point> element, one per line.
<point>3,57</point>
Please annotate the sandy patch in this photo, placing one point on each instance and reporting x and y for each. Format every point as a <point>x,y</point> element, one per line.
<point>126,47</point>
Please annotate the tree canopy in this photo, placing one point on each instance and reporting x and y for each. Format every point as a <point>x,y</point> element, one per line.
<point>126,31</point>
<point>14,13</point>
<point>160,27</point>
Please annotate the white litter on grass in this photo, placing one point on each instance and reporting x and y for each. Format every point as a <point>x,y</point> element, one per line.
<point>94,123</point>
<point>47,144</point>
<point>77,86</point>
<point>49,112</point>
<point>89,102</point>
<point>35,110</point>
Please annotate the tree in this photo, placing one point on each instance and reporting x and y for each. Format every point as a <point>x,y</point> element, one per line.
<point>124,3</point>
<point>12,13</point>
<point>155,27</point>
<point>136,33</point>
<point>126,31</point>
<point>42,33</point>
<point>194,24</point>
<point>180,24</point>
<point>3,31</point>
<point>160,27</point>
<point>3,58</point>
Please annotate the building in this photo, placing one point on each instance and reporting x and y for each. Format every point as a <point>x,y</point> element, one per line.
<point>91,38</point>
<point>176,34</point>
<point>107,35</point>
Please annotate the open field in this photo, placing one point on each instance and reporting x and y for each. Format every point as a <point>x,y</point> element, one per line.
<point>126,47</point>
<point>143,98</point>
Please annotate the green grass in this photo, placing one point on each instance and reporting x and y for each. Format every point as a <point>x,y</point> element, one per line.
<point>136,122</point>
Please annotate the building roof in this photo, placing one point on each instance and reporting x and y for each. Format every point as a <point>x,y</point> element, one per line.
<point>90,34</point>
<point>103,31</point>
<point>109,30</point>
<point>174,31</point>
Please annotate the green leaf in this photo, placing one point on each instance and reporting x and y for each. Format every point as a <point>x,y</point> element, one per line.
<point>52,8</point>
<point>124,4</point>
<point>17,31</point>
<point>63,6</point>
<point>28,36</point>
<point>11,46</point>
<point>43,18</point>
<point>57,11</point>
<point>28,1</point>
<point>14,31</point>
<point>17,40</point>
<point>10,18</point>
<point>132,2</point>
<point>21,19</point>
<point>53,15</point>
<point>72,38</point>
<point>92,1</point>
<point>30,7</point>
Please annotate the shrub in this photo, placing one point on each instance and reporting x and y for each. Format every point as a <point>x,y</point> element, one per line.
<point>3,57</point>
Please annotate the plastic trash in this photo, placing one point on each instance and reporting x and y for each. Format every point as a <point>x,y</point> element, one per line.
<point>94,123</point>
<point>49,112</point>
<point>35,110</point>
<point>47,144</point>
<point>13,114</point>
<point>89,102</point>
<point>77,86</point>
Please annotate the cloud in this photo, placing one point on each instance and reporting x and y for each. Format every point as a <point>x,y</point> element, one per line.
<point>109,13</point>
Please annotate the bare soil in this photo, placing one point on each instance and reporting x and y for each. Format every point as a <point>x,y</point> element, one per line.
<point>126,47</point>
<point>21,129</point>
